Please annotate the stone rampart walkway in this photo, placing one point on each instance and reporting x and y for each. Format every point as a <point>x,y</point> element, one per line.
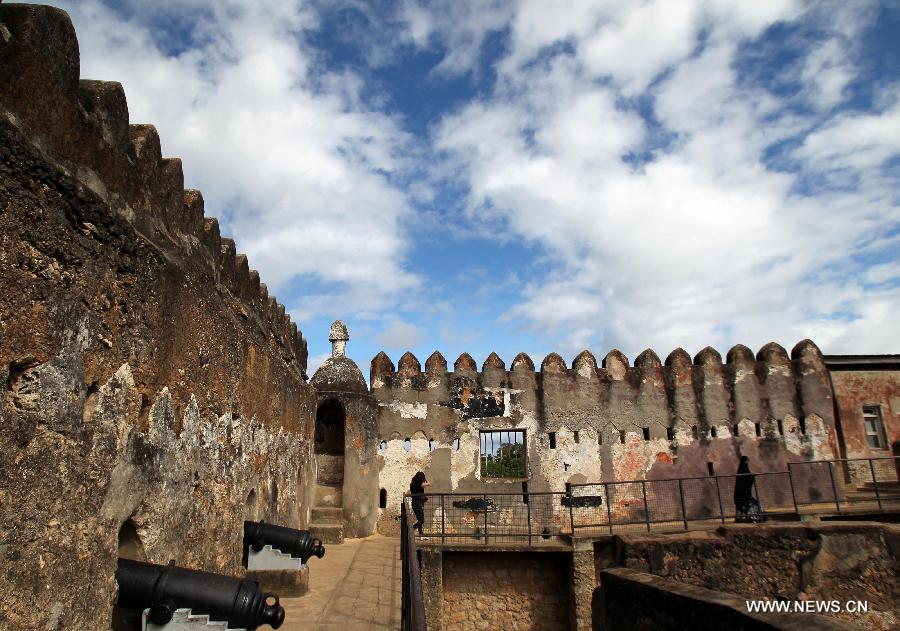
<point>355,587</point>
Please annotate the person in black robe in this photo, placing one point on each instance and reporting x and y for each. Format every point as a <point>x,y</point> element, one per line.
<point>417,490</point>
<point>746,508</point>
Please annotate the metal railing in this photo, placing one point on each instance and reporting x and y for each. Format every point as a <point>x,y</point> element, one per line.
<point>853,483</point>
<point>496,517</point>
<point>664,504</point>
<point>412,604</point>
<point>805,488</point>
<point>673,503</point>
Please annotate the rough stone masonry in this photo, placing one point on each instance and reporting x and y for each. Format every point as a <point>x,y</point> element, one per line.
<point>592,423</point>
<point>150,384</point>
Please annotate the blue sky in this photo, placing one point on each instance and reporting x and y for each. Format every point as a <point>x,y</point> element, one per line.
<point>537,175</point>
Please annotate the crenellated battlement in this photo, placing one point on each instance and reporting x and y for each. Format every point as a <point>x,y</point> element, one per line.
<point>619,420</point>
<point>83,127</point>
<point>772,358</point>
<point>703,392</point>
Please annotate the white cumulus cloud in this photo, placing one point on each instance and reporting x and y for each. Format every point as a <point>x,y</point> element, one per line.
<point>699,240</point>
<point>295,166</point>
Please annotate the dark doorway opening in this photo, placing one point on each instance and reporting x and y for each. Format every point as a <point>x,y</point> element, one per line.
<point>130,547</point>
<point>130,544</point>
<point>329,443</point>
<point>330,428</point>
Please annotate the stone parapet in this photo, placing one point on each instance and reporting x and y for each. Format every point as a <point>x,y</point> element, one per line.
<point>83,127</point>
<point>704,392</point>
<point>153,393</point>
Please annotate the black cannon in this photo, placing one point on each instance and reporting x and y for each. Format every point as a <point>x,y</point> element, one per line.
<point>297,543</point>
<point>165,588</point>
<point>477,505</point>
<point>582,501</point>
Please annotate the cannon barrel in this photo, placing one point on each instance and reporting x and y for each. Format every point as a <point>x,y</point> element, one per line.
<point>297,543</point>
<point>165,588</point>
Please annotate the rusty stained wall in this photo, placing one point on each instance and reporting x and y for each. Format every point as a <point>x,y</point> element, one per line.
<point>772,407</point>
<point>855,389</point>
<point>146,374</point>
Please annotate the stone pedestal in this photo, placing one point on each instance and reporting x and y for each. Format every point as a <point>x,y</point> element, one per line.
<point>184,620</point>
<point>285,583</point>
<point>278,572</point>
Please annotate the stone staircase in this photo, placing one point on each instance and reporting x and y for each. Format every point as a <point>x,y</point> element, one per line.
<point>886,490</point>
<point>327,518</point>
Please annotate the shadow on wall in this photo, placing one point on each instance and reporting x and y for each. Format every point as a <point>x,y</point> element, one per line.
<point>329,443</point>
<point>251,506</point>
<point>273,498</point>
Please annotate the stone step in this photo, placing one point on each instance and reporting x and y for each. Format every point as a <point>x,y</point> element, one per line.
<point>890,485</point>
<point>860,496</point>
<point>327,533</point>
<point>327,515</point>
<point>329,496</point>
<point>329,469</point>
<point>270,558</point>
<point>184,620</point>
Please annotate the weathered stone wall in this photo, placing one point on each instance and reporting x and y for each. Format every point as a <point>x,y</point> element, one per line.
<point>827,561</point>
<point>147,375</point>
<point>644,602</point>
<point>614,422</point>
<point>505,590</point>
<point>853,390</point>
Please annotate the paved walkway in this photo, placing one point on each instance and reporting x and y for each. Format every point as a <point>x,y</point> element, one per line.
<point>355,587</point>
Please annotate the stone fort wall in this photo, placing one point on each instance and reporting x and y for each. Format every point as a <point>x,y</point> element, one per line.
<point>511,590</point>
<point>592,423</point>
<point>150,385</point>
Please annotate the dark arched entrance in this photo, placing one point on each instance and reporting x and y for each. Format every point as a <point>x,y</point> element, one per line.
<point>130,547</point>
<point>329,442</point>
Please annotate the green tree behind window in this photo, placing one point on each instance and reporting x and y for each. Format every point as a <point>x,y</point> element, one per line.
<point>509,462</point>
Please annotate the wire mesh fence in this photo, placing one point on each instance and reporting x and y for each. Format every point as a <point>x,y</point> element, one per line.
<point>815,483</point>
<point>494,517</point>
<point>664,504</point>
<point>847,483</point>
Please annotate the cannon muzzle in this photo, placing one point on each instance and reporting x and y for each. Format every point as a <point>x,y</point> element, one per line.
<point>165,588</point>
<point>297,543</point>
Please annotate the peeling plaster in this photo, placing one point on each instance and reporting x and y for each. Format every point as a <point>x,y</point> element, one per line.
<point>408,410</point>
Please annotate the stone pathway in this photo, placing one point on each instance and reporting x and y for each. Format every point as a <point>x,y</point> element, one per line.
<point>355,587</point>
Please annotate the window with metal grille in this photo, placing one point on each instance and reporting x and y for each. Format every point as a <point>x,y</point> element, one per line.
<point>503,454</point>
<point>874,426</point>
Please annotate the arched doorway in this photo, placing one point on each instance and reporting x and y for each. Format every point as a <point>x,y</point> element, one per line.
<point>130,544</point>
<point>130,547</point>
<point>329,442</point>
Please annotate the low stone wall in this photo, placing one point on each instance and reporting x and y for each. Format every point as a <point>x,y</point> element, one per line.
<point>699,579</point>
<point>828,561</point>
<point>505,590</point>
<point>639,601</point>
